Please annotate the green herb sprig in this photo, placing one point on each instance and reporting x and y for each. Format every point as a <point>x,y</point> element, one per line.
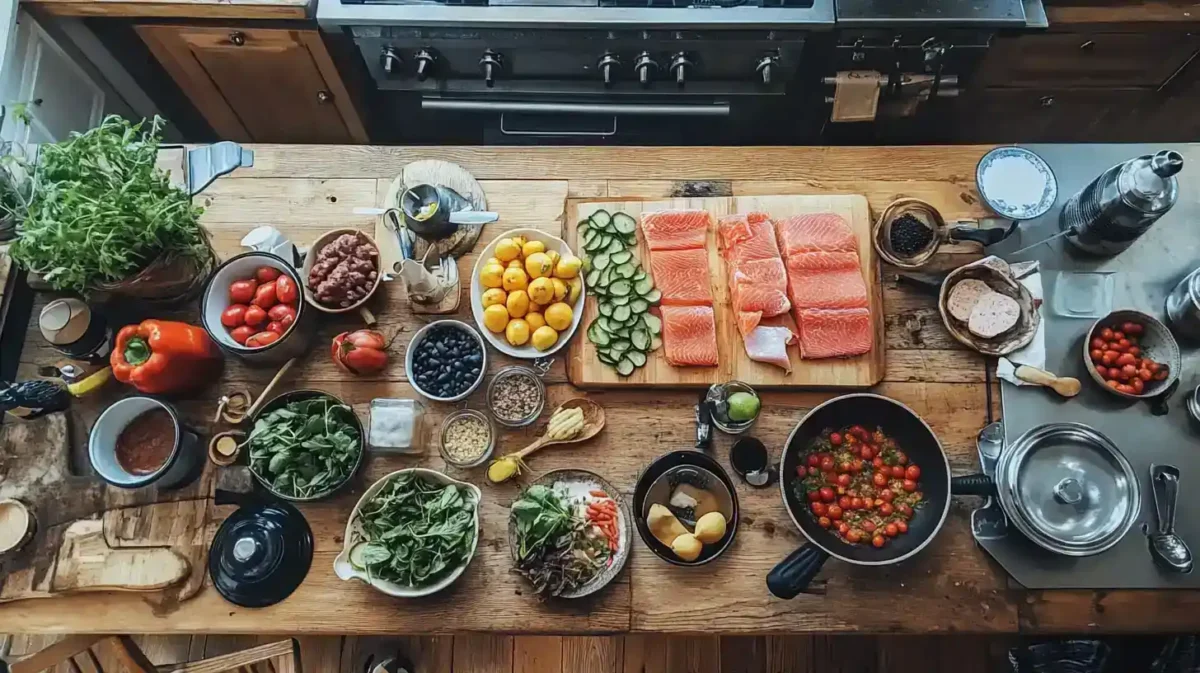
<point>557,550</point>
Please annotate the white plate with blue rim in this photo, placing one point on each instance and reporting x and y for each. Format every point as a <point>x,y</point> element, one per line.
<point>1016,183</point>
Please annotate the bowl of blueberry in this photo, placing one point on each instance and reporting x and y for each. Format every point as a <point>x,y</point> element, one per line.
<point>445,360</point>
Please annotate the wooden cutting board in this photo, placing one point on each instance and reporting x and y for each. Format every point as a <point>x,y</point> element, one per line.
<point>585,370</point>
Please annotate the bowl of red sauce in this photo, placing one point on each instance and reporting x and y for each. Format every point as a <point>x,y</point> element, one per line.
<point>139,441</point>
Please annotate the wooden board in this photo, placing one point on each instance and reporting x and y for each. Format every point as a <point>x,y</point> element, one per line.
<point>585,370</point>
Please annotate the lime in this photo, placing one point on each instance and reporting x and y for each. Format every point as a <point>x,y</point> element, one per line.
<point>743,406</point>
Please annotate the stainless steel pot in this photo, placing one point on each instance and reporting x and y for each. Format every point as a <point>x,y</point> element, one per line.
<point>1065,486</point>
<point>1183,307</point>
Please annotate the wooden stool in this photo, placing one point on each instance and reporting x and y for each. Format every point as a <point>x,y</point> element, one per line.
<point>262,659</point>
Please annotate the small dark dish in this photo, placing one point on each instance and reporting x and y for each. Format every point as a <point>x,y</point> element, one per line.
<point>1156,343</point>
<point>654,486</point>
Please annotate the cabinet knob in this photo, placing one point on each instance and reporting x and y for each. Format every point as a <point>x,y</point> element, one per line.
<point>491,64</point>
<point>606,65</point>
<point>645,66</point>
<point>324,96</point>
<point>425,60</point>
<point>237,37</point>
<point>1087,46</point>
<point>679,65</point>
<point>1046,101</point>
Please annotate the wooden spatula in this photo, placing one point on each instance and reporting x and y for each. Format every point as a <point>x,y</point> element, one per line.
<point>1063,385</point>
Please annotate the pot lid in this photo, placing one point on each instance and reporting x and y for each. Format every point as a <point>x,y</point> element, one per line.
<point>1071,487</point>
<point>261,553</point>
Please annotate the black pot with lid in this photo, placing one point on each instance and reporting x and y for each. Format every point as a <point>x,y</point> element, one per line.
<point>261,553</point>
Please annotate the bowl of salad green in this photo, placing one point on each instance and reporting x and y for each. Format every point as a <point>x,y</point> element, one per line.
<point>412,533</point>
<point>304,445</point>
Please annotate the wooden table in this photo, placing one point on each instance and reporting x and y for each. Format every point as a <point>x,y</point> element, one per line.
<point>951,586</point>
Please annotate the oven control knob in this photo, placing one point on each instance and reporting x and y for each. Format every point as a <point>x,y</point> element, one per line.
<point>608,63</point>
<point>425,60</point>
<point>645,67</point>
<point>491,62</point>
<point>765,68</point>
<point>390,60</point>
<point>679,66</point>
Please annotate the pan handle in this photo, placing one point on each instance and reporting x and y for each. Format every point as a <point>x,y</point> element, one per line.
<point>973,484</point>
<point>793,574</point>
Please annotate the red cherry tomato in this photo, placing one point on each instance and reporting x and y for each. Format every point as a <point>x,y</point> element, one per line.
<point>912,472</point>
<point>891,530</point>
<point>897,472</point>
<point>285,289</point>
<point>845,466</point>
<point>886,509</point>
<point>242,291</point>
<point>826,464</point>
<point>877,461</point>
<point>824,522</point>
<point>1109,358</point>
<point>1117,336</point>
<point>868,526</point>
<point>878,541</point>
<point>854,537</point>
<point>1145,374</point>
<point>276,327</point>
<point>255,316</point>
<point>857,465</point>
<point>814,496</point>
<point>826,494</point>
<point>1096,354</point>
<point>901,458</point>
<point>867,453</point>
<point>902,526</point>
<point>910,485</point>
<point>818,508</point>
<point>1102,371</point>
<point>278,311</point>
<point>835,438</point>
<point>857,503</point>
<point>266,274</point>
<point>1098,343</point>
<point>1106,334</point>
<point>813,460</point>
<point>1133,328</point>
<point>1113,383</point>
<point>834,512</point>
<point>1126,359</point>
<point>843,480</point>
<point>812,471</point>
<point>234,316</point>
<point>1138,386</point>
<point>843,527</point>
<point>844,502</point>
<point>879,479</point>
<point>886,495</point>
<point>262,339</point>
<point>1129,371</point>
<point>264,296</point>
<point>1135,351</point>
<point>904,510</point>
<point>240,334</point>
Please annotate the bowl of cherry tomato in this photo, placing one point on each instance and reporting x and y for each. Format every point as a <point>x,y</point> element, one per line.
<point>253,308</point>
<point>1131,354</point>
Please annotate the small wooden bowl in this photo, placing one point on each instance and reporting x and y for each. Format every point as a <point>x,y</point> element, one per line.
<point>881,233</point>
<point>310,259</point>
<point>996,273</point>
<point>1156,343</point>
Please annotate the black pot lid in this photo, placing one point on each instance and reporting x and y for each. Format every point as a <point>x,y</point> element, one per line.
<point>261,553</point>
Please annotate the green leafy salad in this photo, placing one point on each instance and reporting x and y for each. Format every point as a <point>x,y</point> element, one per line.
<point>305,448</point>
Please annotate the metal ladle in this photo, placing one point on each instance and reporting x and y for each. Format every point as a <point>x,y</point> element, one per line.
<point>1168,549</point>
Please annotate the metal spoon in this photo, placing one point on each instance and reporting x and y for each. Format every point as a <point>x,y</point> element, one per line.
<point>1168,548</point>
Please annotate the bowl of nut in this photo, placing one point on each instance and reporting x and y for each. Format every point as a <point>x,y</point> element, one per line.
<point>341,272</point>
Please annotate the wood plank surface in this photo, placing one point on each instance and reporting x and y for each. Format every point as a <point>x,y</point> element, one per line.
<point>586,371</point>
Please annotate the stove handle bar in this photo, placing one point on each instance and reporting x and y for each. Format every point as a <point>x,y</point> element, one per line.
<point>613,109</point>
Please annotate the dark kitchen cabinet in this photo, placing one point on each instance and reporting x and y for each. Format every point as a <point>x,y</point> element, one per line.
<point>251,84</point>
<point>1083,59</point>
<point>1052,115</point>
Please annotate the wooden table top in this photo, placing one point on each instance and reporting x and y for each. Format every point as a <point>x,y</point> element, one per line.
<point>950,586</point>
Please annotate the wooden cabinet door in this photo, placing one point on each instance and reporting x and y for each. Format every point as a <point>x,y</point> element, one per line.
<point>1076,60</point>
<point>259,84</point>
<point>1031,115</point>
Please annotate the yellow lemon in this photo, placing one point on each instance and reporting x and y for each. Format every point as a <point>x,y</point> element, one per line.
<point>507,249</point>
<point>493,260</point>
<point>538,265</point>
<point>516,264</point>
<point>494,296</point>
<point>541,291</point>
<point>518,303</point>
<point>568,267</point>
<point>520,241</point>
<point>517,332</point>
<point>531,247</point>
<point>491,275</point>
<point>560,289</point>
<point>558,316</point>
<point>554,257</point>
<point>574,289</point>
<point>495,317</point>
<point>515,279</point>
<point>544,337</point>
<point>535,320</point>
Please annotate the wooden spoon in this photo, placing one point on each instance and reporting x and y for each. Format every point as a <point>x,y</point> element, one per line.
<point>593,422</point>
<point>1063,385</point>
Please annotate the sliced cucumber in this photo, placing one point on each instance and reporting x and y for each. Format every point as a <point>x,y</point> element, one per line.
<point>638,358</point>
<point>615,245</point>
<point>601,261</point>
<point>653,323</point>
<point>656,343</point>
<point>622,257</point>
<point>639,305</point>
<point>626,270</point>
<point>624,223</point>
<point>653,296</point>
<point>608,325</point>
<point>644,286</point>
<point>592,276</point>
<point>601,219</point>
<point>606,358</point>
<point>625,367</point>
<point>606,278</point>
<point>621,313</point>
<point>597,335</point>
<point>640,339</point>
<point>621,288</point>
<point>620,346</point>
<point>639,276</point>
<point>606,309</point>
<point>622,301</point>
<point>633,320</point>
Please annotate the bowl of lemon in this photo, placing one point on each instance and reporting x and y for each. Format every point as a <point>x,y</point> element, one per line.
<point>527,293</point>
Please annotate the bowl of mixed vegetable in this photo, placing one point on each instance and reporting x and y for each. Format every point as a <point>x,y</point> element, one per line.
<point>412,533</point>
<point>304,445</point>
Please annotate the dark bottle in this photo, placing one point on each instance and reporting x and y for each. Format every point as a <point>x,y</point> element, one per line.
<point>1112,211</point>
<point>31,399</point>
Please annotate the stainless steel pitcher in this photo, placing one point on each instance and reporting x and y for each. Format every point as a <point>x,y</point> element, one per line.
<point>1112,211</point>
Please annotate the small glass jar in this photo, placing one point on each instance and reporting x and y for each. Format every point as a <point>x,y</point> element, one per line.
<point>719,396</point>
<point>540,388</point>
<point>386,431</point>
<point>491,438</point>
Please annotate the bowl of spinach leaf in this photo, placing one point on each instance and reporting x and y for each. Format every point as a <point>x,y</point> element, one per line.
<point>412,533</point>
<point>305,444</point>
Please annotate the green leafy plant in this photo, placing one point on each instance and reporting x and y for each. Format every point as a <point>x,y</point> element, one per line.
<point>557,552</point>
<point>306,448</point>
<point>101,210</point>
<point>415,531</point>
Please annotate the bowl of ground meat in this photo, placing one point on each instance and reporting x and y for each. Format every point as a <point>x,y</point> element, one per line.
<point>341,272</point>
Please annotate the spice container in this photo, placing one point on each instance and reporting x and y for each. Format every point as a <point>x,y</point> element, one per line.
<point>467,438</point>
<point>516,396</point>
<point>908,233</point>
<point>395,426</point>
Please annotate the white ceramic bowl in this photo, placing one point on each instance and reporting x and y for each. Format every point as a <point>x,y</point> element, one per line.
<point>294,341</point>
<point>346,570</point>
<point>498,341</point>
<point>420,335</point>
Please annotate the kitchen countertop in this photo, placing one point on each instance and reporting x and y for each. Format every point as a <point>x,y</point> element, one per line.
<point>950,586</point>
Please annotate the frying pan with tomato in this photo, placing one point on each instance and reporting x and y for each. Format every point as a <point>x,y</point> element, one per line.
<point>912,436</point>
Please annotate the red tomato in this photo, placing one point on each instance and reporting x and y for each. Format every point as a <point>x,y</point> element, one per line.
<point>1161,374</point>
<point>834,512</point>
<point>813,460</point>
<point>897,472</point>
<point>904,510</point>
<point>878,541</point>
<point>285,289</point>
<point>1133,328</point>
<point>843,480</point>
<point>891,530</point>
<point>242,291</point>
<point>234,316</point>
<point>1138,386</point>
<point>1097,343</point>
<point>1144,374</point>
<point>867,453</point>
<point>266,274</point>
<point>843,527</point>
<point>1134,351</point>
<point>264,296</point>
<point>240,334</point>
<point>844,502</point>
<point>1123,345</point>
<point>1109,358</point>
<point>886,495</point>
<point>818,508</point>
<point>854,537</point>
<point>835,438</point>
<point>276,327</point>
<point>826,464</point>
<point>868,526</point>
<point>1127,389</point>
<point>910,485</point>
<point>877,462</point>
<point>902,526</point>
<point>255,316</point>
<point>1102,371</point>
<point>826,494</point>
<point>1129,371</point>
<point>1128,327</point>
<point>1106,334</point>
<point>812,471</point>
<point>280,311</point>
<point>1113,383</point>
<point>857,465</point>
<point>262,339</point>
<point>913,472</point>
<point>1152,366</point>
<point>1096,354</point>
<point>879,479</point>
<point>814,496</point>
<point>1125,359</point>
<point>886,509</point>
<point>857,503</point>
<point>824,522</point>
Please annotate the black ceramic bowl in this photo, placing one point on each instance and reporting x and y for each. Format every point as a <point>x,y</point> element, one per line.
<point>671,462</point>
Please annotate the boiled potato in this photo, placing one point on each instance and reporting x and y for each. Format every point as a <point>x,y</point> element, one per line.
<point>663,525</point>
<point>687,547</point>
<point>710,528</point>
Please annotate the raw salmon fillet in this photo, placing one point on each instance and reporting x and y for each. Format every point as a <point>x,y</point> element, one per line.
<point>689,335</point>
<point>675,229</point>
<point>834,333</point>
<point>808,262</point>
<point>768,343</point>
<point>682,277</point>
<point>824,232</point>
<point>758,289</point>
<point>747,237</point>
<point>843,288</point>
